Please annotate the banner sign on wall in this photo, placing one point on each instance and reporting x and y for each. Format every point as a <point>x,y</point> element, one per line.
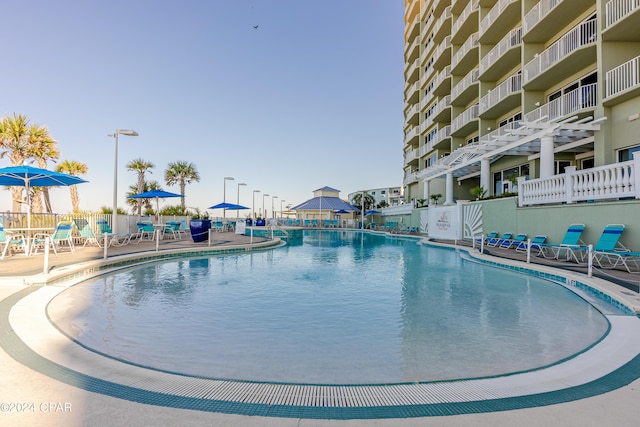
<point>444,222</point>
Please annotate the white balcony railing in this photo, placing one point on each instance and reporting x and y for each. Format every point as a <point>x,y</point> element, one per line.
<point>469,44</point>
<point>411,133</point>
<point>494,14</point>
<point>538,12</point>
<point>471,7</point>
<point>581,35</point>
<point>446,14</point>
<point>446,43</point>
<point>467,116</point>
<point>511,85</point>
<point>511,40</point>
<point>615,181</point>
<point>584,97</point>
<point>442,76</point>
<point>623,77</point>
<point>410,155</point>
<point>462,85</point>
<point>615,10</point>
<point>443,133</point>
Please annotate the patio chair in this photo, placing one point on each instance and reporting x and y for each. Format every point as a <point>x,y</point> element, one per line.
<point>145,230</point>
<point>512,243</point>
<point>610,260</point>
<point>87,236</point>
<point>172,228</point>
<point>114,239</point>
<point>608,243</point>
<point>536,244</point>
<point>184,228</point>
<point>61,235</point>
<point>11,242</point>
<point>498,240</point>
<point>572,238</point>
<point>488,237</point>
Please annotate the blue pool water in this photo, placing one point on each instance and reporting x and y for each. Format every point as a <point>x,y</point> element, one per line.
<point>342,307</point>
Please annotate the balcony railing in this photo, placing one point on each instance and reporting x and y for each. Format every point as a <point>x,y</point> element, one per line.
<point>511,40</point>
<point>510,85</point>
<point>467,116</point>
<point>411,133</point>
<point>471,7</point>
<point>623,77</point>
<point>469,44</point>
<point>615,181</point>
<point>462,85</point>
<point>615,10</point>
<point>494,14</point>
<point>584,97</point>
<point>538,12</point>
<point>443,133</point>
<point>582,35</point>
<point>446,14</point>
<point>410,156</point>
<point>446,43</point>
<point>442,76</point>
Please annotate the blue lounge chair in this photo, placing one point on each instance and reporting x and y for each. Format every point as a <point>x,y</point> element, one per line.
<point>571,239</point>
<point>62,235</point>
<point>536,244</point>
<point>498,240</point>
<point>488,237</point>
<point>10,242</point>
<point>511,243</point>
<point>609,242</point>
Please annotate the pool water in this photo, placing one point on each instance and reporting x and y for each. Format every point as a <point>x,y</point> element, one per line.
<point>343,307</point>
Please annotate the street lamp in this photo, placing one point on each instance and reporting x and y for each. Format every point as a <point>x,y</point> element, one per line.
<point>281,201</point>
<point>263,211</point>
<point>114,213</point>
<point>224,196</point>
<point>238,202</point>
<point>253,205</point>
<point>273,214</point>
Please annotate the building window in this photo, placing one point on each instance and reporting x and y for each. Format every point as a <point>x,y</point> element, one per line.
<point>561,165</point>
<point>504,180</point>
<point>587,163</point>
<point>627,154</point>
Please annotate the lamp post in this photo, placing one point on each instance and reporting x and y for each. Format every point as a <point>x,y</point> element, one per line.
<point>114,212</point>
<point>281,201</point>
<point>238,202</point>
<point>273,212</point>
<point>263,211</point>
<point>253,205</point>
<point>224,196</point>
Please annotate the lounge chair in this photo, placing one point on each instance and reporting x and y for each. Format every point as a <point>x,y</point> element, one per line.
<point>488,237</point>
<point>511,243</point>
<point>536,244</point>
<point>610,260</point>
<point>145,230</point>
<point>571,239</point>
<point>11,242</point>
<point>496,241</point>
<point>114,239</point>
<point>609,242</point>
<point>87,236</point>
<point>61,235</point>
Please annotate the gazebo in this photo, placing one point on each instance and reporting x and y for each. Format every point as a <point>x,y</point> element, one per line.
<point>323,206</point>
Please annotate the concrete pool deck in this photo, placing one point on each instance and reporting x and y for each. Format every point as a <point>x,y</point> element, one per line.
<point>22,385</point>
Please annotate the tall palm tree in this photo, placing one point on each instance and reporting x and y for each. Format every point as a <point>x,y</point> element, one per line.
<point>181,173</point>
<point>140,166</point>
<point>74,168</point>
<point>17,138</point>
<point>43,148</point>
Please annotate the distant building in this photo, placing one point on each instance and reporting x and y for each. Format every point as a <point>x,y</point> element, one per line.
<point>393,196</point>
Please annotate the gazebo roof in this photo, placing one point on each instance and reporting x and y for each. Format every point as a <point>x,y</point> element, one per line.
<point>324,203</point>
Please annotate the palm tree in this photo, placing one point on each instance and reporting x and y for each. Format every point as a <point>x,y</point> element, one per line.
<point>140,166</point>
<point>369,201</point>
<point>43,148</point>
<point>181,173</point>
<point>17,140</point>
<point>74,168</point>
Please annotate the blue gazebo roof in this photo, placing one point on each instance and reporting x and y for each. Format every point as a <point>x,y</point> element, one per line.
<point>324,203</point>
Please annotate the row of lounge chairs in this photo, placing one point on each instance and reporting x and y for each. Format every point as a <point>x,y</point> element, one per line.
<point>608,252</point>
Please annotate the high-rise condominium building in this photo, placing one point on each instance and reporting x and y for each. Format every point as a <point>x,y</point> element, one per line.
<point>499,89</point>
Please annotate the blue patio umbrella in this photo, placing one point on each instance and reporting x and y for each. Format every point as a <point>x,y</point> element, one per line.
<point>371,212</point>
<point>340,212</point>
<point>228,206</point>
<point>155,194</point>
<point>29,176</point>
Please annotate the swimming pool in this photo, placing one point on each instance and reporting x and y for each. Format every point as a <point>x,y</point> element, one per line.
<point>341,308</point>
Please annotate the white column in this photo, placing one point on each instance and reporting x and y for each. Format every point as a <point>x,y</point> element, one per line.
<point>426,192</point>
<point>485,176</point>
<point>448,197</point>
<point>547,166</point>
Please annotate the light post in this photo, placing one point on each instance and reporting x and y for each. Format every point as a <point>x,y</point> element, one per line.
<point>224,197</point>
<point>253,206</point>
<point>281,201</point>
<point>238,202</point>
<point>273,212</point>
<point>263,211</point>
<point>114,213</point>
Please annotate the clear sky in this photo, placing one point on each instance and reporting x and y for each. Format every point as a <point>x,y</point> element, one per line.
<point>312,97</point>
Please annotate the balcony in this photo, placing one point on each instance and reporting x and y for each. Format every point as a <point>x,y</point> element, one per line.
<point>413,51</point>
<point>410,177</point>
<point>466,57</point>
<point>411,157</point>
<point>412,73</point>
<point>441,141</point>
<point>413,28</point>
<point>440,5</point>
<point>411,114</point>
<point>503,11</point>
<point>443,25</point>
<point>622,20</point>
<point>442,112</point>
<point>442,54</point>
<point>504,56</point>
<point>466,23</point>
<point>623,82</point>
<point>411,135</point>
<point>466,90</point>
<point>412,93</point>
<point>442,83</point>
<point>547,16</point>
<point>505,97</point>
<point>581,100</point>
<point>466,122</point>
<point>574,51</point>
